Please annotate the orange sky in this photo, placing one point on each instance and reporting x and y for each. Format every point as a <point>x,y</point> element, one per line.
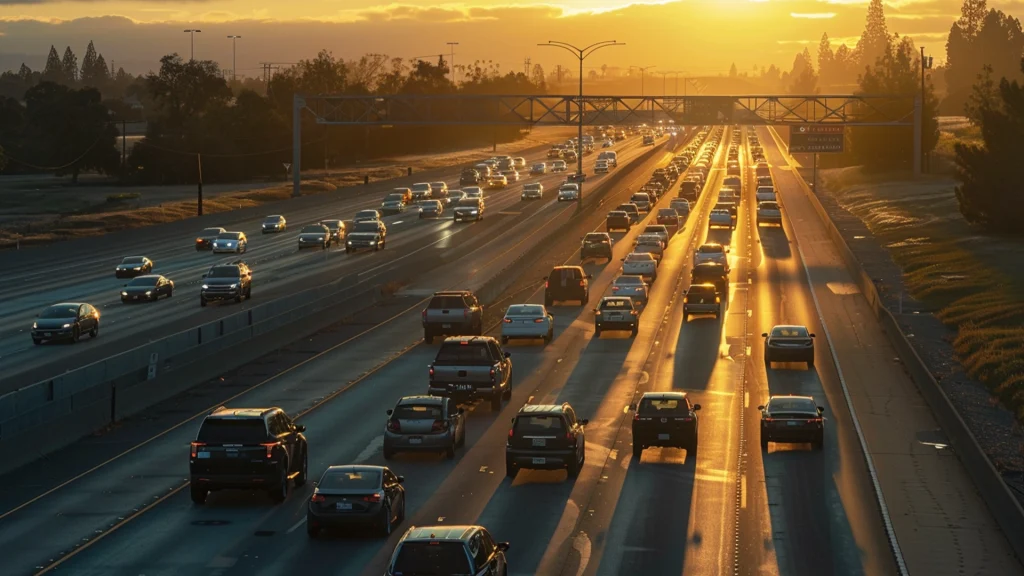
<point>696,36</point>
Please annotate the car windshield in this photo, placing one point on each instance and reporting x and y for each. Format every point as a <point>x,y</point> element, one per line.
<point>765,190</point>
<point>711,249</point>
<point>312,230</point>
<point>663,406</point>
<point>789,332</point>
<point>540,425</point>
<point>397,197</point>
<point>525,310</point>
<point>133,260</point>
<point>660,229</point>
<point>272,219</point>
<point>144,281</point>
<point>769,205</point>
<point>233,431</point>
<point>438,185</point>
<point>332,224</point>
<point>417,187</point>
<point>222,272</point>
<point>366,214</point>
<point>641,197</point>
<point>532,186</point>
<point>366,227</point>
<point>616,304</point>
<point>430,203</point>
<point>464,353</point>
<point>434,557</point>
<point>668,212</point>
<point>229,236</point>
<point>334,479</point>
<point>628,207</point>
<point>417,412</point>
<point>62,311</point>
<point>701,290</point>
<point>210,232</point>
<point>629,281</point>
<point>806,405</point>
<point>447,303</point>
<point>638,257</point>
<point>469,203</point>
<point>596,238</point>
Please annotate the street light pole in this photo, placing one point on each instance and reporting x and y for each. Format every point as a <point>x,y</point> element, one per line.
<point>642,70</point>
<point>234,67</point>
<point>452,61</point>
<point>192,33</point>
<point>926,64</point>
<point>581,54</point>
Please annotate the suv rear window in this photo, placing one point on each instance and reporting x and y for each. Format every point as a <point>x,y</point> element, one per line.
<point>565,274</point>
<point>350,480</point>
<point>663,406</point>
<point>447,302</point>
<point>540,425</point>
<point>366,226</point>
<point>432,558</point>
<point>417,412</point>
<point>233,431</point>
<point>702,290</point>
<point>469,354</point>
<point>616,305</point>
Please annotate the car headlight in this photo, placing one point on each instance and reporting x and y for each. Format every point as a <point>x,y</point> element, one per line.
<point>349,242</point>
<point>205,286</point>
<point>35,325</point>
<point>234,286</point>
<point>474,211</point>
<point>373,242</point>
<point>67,326</point>
<point>149,292</point>
<point>124,293</point>
<point>137,268</point>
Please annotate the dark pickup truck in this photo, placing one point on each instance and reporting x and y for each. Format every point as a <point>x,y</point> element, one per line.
<point>452,313</point>
<point>471,367</point>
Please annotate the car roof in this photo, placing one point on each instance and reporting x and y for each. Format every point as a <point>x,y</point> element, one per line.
<point>148,276</point>
<point>274,216</point>
<point>798,401</point>
<point>706,285</point>
<point>66,304</point>
<point>421,399</point>
<point>353,468</point>
<point>468,339</point>
<point>664,395</point>
<point>449,533</point>
<point>542,409</point>
<point>567,268</point>
<point>789,326</point>
<point>226,413</point>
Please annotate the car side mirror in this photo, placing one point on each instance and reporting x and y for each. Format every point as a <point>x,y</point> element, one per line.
<point>590,276</point>
<point>315,485</point>
<point>812,334</point>
<point>503,546</point>
<point>764,334</point>
<point>508,354</point>
<point>390,412</point>
<point>401,479</point>
<point>632,407</point>
<point>696,407</point>
<point>584,422</point>
<point>460,411</point>
<point>761,408</point>
<point>300,428</point>
<point>821,409</point>
<point>204,275</point>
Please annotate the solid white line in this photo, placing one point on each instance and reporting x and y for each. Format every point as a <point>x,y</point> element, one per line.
<point>296,526</point>
<point>743,491</point>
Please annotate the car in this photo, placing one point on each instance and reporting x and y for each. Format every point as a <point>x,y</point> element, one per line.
<point>315,235</point>
<point>559,166</point>
<point>664,419</point>
<point>702,299</point>
<point>473,192</point>
<point>765,194</point>
<point>616,313</point>
<point>66,321</point>
<point>726,194</point>
<point>132,266</point>
<point>469,209</point>
<point>570,157</point>
<point>273,224</point>
<point>568,192</point>
<point>206,237</point>
<point>469,176</point>
<point>611,156</point>
<point>366,234</point>
<point>788,343</point>
<point>601,167</point>
<point>733,169</point>
<point>642,200</point>
<point>417,195</point>
<point>554,152</point>
<point>527,322</point>
<point>567,283</point>
<point>546,437</point>
<point>455,195</point>
<point>618,220</point>
<point>236,242</point>
<point>690,189</point>
<point>660,230</point>
<point>720,218</point>
<point>231,281</point>
<point>539,169</point>
<point>424,424</point>
<point>765,181</point>
<point>651,244</point>
<point>148,288</point>
<point>632,286</point>
<point>519,162</point>
<point>631,209</point>
<point>452,313</point>
<point>468,368</point>
<point>648,140</point>
<point>769,213</point>
<point>337,229</point>
<point>356,496</point>
<point>405,195</point>
<point>712,252</point>
<point>431,208</point>
<point>390,207</point>
<point>366,216</point>
<point>733,182</point>
<point>577,177</point>
<point>248,448</point>
<point>511,175</point>
<point>439,190</point>
<point>793,420</point>
<point>762,169</point>
<point>596,245</point>
<point>641,263</point>
<point>608,144</point>
<point>681,207</point>
<point>497,181</point>
<point>533,191</point>
<point>448,549</point>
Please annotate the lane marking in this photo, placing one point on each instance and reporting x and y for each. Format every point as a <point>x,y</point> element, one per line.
<point>295,526</point>
<point>371,449</point>
<point>743,491</point>
<point>746,399</point>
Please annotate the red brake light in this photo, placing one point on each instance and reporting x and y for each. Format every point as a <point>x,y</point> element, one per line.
<point>394,426</point>
<point>464,342</point>
<point>439,425</point>
<point>545,284</point>
<point>372,498</point>
<point>615,288</point>
<point>492,374</point>
<point>270,448</point>
<point>510,433</point>
<point>318,498</point>
<point>818,420</point>
<point>196,445</point>
<point>768,419</point>
<point>538,320</point>
<point>582,283</point>
<point>508,321</point>
<point>636,417</point>
<point>424,314</point>
<point>431,369</point>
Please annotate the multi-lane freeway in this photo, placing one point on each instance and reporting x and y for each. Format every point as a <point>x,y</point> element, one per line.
<point>730,508</point>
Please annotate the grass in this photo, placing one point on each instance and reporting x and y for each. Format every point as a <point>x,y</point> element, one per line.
<point>974,282</point>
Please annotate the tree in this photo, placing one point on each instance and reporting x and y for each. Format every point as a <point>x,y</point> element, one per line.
<point>875,42</point>
<point>991,181</point>
<point>54,70</point>
<point>732,71</point>
<point>69,65</point>
<point>984,96</point>
<point>826,61</point>
<point>69,130</point>
<point>537,75</point>
<point>980,37</point>
<point>94,68</point>
<point>805,84</point>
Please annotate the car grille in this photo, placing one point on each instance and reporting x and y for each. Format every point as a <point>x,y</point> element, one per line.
<point>215,289</point>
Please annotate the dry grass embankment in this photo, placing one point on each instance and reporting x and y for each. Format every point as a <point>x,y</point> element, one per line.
<point>973,282</point>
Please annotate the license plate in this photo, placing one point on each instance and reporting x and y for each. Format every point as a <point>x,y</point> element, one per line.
<point>446,325</point>
<point>232,454</point>
<point>202,455</point>
<point>791,423</point>
<point>540,442</point>
<point>663,436</point>
<point>343,505</point>
<point>415,440</point>
<point>540,460</point>
<point>462,387</point>
<point>47,333</point>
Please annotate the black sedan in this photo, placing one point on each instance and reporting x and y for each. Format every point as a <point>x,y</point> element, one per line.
<point>665,419</point>
<point>356,495</point>
<point>337,228</point>
<point>793,420</point>
<point>205,239</point>
<point>132,266</point>
<point>147,288</point>
<point>66,321</point>
<point>788,344</point>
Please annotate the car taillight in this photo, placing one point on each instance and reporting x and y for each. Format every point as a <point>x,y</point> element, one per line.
<point>636,417</point>
<point>615,288</point>
<point>394,426</point>
<point>508,320</point>
<point>270,448</point>
<point>195,446</point>
<point>718,300</point>
<point>538,320</point>
<point>374,498</point>
<point>510,433</point>
<point>632,312</point>
<point>199,240</point>
<point>424,314</point>
<point>431,370</point>
<point>817,420</point>
<point>492,374</point>
<point>769,419</point>
<point>439,425</point>
<point>546,284</point>
<point>318,498</point>
<point>582,283</point>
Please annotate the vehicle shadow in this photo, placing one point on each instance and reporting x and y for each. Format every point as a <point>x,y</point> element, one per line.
<point>700,339</point>
<point>774,242</point>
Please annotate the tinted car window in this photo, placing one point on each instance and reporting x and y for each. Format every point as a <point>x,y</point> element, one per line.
<point>791,405</point>
<point>706,249</point>
<point>366,227</point>
<point>663,407</point>
<point>229,236</point>
<point>350,480</point>
<point>470,202</point>
<point>144,281</point>
<point>312,230</point>
<point>417,412</point>
<point>702,290</point>
<point>60,312</point>
<point>133,260</point>
<point>789,332</point>
<point>525,310</point>
<point>210,231</point>
<point>471,354</point>
<point>545,425</point>
<point>447,302</point>
<point>233,431</point>
<point>431,558</point>
<point>616,305</point>
<point>222,272</point>
<point>596,238</point>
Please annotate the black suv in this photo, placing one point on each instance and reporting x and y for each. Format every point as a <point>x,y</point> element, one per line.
<point>247,448</point>
<point>567,283</point>
<point>546,437</point>
<point>618,220</point>
<point>448,550</point>
<point>226,282</point>
<point>453,313</point>
<point>596,245</point>
<point>469,177</point>
<point>664,419</point>
<point>711,273</point>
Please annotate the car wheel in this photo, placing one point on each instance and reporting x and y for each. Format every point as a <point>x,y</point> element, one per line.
<point>170,292</point>
<point>449,452</point>
<point>95,331</point>
<point>311,530</point>
<point>691,446</point>
<point>428,338</point>
<point>638,451</point>
<point>507,394</point>
<point>496,402</point>
<point>401,512</point>
<point>764,443</point>
<point>248,293</point>
<point>198,493</point>
<point>573,469</point>
<point>348,250</point>
<point>818,443</point>
<point>810,364</point>
<point>300,480</point>
<point>597,332</point>
<point>767,362</point>
<point>75,334</point>
<point>153,297</point>
<point>548,301</point>
<point>202,302</point>
<point>549,337</point>
<point>634,331</point>
<point>510,468</point>
<point>389,453</point>
<point>279,493</point>
<point>385,521</point>
<point>376,247</point>
<point>504,339</point>
<point>37,341</point>
<point>240,296</point>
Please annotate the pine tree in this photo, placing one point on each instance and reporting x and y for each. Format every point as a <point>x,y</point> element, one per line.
<point>88,65</point>
<point>826,60</point>
<point>24,72</point>
<point>70,66</point>
<point>875,42</point>
<point>102,71</point>
<point>53,72</point>
<point>732,71</point>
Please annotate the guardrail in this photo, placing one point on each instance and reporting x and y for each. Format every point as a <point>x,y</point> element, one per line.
<point>1003,505</point>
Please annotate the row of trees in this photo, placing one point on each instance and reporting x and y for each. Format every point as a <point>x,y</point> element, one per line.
<point>94,72</point>
<point>982,41</point>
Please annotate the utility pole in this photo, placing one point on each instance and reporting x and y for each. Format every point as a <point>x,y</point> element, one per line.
<point>234,66</point>
<point>642,70</point>
<point>451,62</point>
<point>926,64</point>
<point>582,54</point>
<point>192,33</point>
<point>526,66</point>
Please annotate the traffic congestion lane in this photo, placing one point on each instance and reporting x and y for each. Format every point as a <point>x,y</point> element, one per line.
<point>938,517</point>
<point>277,265</point>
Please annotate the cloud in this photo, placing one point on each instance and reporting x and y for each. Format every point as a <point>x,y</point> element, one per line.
<point>813,15</point>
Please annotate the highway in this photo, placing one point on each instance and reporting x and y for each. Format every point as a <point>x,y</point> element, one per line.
<point>278,268</point>
<point>728,509</point>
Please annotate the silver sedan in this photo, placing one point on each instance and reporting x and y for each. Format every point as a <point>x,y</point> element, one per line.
<point>527,322</point>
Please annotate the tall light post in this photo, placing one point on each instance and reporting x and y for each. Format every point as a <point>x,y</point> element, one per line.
<point>926,64</point>
<point>192,33</point>
<point>581,54</point>
<point>642,70</point>
<point>234,67</point>
<point>451,62</point>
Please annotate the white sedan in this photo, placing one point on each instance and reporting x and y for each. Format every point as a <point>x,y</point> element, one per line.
<point>527,322</point>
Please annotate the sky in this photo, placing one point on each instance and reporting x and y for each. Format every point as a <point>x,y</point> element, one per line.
<point>698,37</point>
